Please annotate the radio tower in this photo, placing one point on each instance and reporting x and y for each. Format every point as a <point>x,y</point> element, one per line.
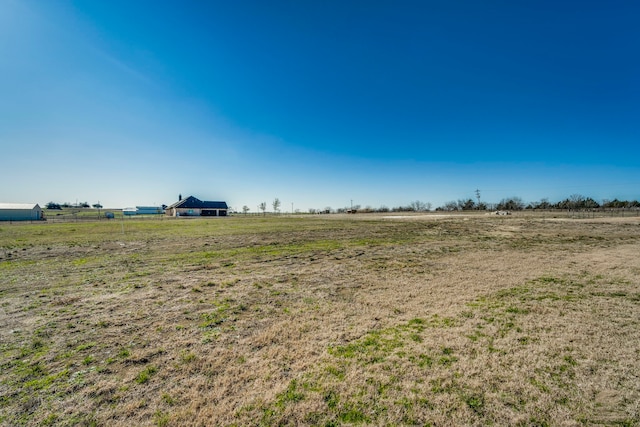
<point>478,197</point>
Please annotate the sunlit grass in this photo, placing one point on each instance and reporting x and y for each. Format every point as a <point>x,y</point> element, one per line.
<point>339,320</point>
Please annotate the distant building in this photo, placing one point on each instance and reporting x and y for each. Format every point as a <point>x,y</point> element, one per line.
<point>20,212</point>
<point>195,207</point>
<point>149,210</point>
<point>143,210</point>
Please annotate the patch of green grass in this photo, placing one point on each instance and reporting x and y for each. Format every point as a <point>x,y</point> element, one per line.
<point>570,360</point>
<point>339,373</point>
<point>416,321</point>
<point>447,360</point>
<point>374,347</point>
<point>332,399</point>
<point>86,346</point>
<point>224,311</point>
<point>416,337</point>
<point>168,399</point>
<point>50,420</point>
<point>37,348</point>
<point>79,262</point>
<point>353,414</point>
<point>516,310</point>
<point>475,402</point>
<point>146,374</point>
<point>550,280</point>
<point>290,395</point>
<point>187,357</point>
<point>422,360</point>
<point>45,381</point>
<point>161,418</point>
<point>442,322</point>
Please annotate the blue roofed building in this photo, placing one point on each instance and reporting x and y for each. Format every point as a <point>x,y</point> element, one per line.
<point>192,206</point>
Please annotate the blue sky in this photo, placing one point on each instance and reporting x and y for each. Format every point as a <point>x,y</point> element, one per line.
<point>318,102</point>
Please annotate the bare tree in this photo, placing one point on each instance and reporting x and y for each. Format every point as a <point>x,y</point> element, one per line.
<point>418,206</point>
<point>263,207</point>
<point>544,204</point>
<point>276,205</point>
<point>450,206</point>
<point>466,205</point>
<point>245,209</point>
<point>575,201</point>
<point>511,204</point>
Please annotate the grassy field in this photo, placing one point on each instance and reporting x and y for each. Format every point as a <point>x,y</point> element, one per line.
<point>334,320</point>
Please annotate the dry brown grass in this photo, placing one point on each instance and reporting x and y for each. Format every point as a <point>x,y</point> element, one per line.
<point>342,320</point>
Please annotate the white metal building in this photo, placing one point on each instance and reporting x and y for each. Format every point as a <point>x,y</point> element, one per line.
<point>149,210</point>
<point>20,212</point>
<point>143,210</point>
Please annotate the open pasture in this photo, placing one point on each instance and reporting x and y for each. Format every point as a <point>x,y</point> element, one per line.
<point>328,320</point>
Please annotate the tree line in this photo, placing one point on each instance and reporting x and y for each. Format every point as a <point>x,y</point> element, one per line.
<point>573,202</point>
<point>514,203</point>
<point>59,206</point>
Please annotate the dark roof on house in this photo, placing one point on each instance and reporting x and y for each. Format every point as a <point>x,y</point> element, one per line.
<point>193,203</point>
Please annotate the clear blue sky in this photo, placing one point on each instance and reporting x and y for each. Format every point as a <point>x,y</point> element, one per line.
<point>318,102</point>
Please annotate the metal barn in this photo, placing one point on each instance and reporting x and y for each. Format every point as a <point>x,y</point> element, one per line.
<point>20,212</point>
<point>149,210</point>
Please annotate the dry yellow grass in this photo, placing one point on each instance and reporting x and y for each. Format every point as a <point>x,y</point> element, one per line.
<point>341,320</point>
